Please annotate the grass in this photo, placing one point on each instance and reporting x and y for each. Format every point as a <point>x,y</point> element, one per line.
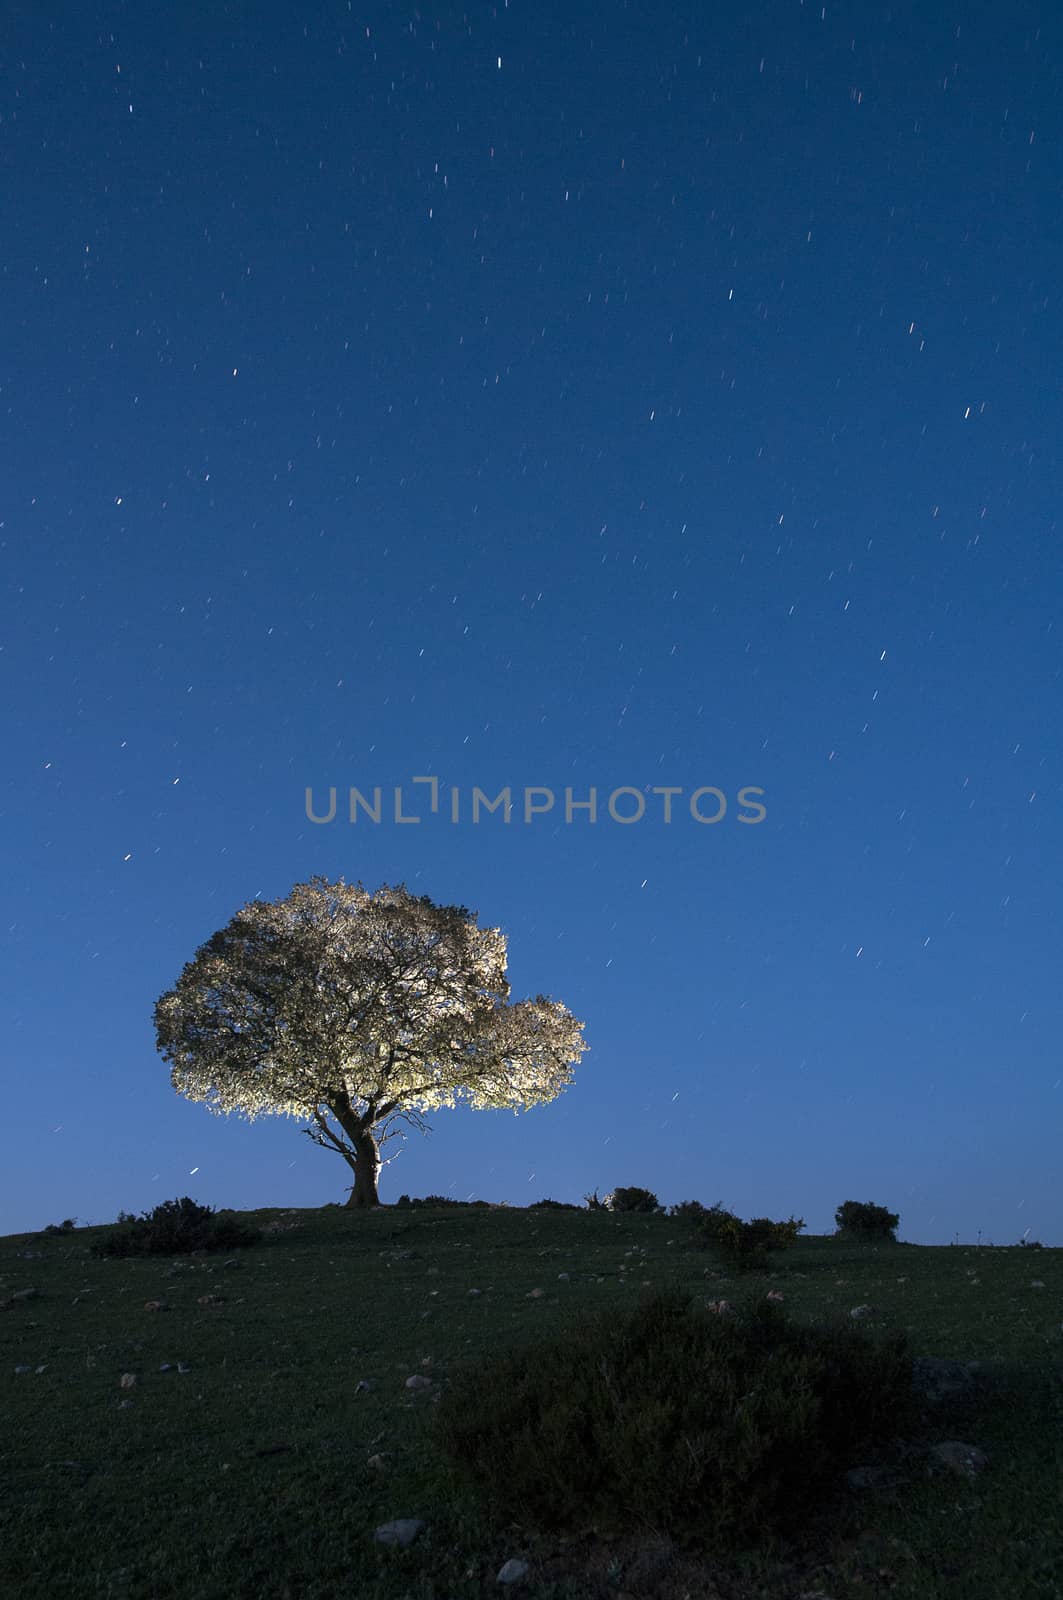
<point>248,1475</point>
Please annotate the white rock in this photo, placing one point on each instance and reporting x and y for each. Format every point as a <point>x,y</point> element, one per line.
<point>474,1293</point>
<point>860,1311</point>
<point>535,1294</point>
<point>402,1531</point>
<point>564,1277</point>
<point>513,1571</point>
<point>418,1381</point>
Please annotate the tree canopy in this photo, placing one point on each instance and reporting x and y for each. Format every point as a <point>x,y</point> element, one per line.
<point>369,1008</point>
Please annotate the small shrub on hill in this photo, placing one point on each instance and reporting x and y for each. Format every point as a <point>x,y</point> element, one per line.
<point>174,1228</point>
<point>634,1199</point>
<point>688,1208</point>
<point>746,1245</point>
<point>553,1205</point>
<point>709,1428</point>
<point>857,1219</point>
<point>436,1200</point>
<point>594,1204</point>
<point>66,1226</point>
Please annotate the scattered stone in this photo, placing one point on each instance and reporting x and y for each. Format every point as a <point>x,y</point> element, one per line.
<point>418,1381</point>
<point>562,1277</point>
<point>182,1366</point>
<point>860,1311</point>
<point>774,1294</point>
<point>474,1294</point>
<point>210,1300</point>
<point>403,1531</point>
<point>965,1460</point>
<point>720,1308</point>
<point>232,1262</point>
<point>42,1368</point>
<point>128,1380</point>
<point>19,1370</point>
<point>513,1571</point>
<point>365,1386</point>
<point>378,1461</point>
<point>156,1305</point>
<point>868,1477</point>
<point>936,1378</point>
<point>1037,1284</point>
<point>124,1405</point>
<point>167,1366</point>
<point>535,1294</point>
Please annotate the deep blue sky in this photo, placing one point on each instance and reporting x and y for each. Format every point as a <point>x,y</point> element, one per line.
<point>557,394</point>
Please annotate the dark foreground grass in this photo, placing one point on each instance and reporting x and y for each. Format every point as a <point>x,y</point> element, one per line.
<point>249,1475</point>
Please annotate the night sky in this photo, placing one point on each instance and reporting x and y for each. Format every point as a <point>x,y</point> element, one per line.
<point>556,395</point>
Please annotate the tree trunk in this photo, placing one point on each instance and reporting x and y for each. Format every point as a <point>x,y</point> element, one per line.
<point>366,1171</point>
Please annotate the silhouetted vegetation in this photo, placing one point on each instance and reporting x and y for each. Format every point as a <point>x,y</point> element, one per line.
<point>711,1427</point>
<point>175,1227</point>
<point>746,1245</point>
<point>858,1219</point>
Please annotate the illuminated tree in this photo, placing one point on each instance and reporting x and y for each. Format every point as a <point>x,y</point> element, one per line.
<point>366,1008</point>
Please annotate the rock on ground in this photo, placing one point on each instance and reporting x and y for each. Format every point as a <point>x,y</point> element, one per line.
<point>965,1460</point>
<point>936,1378</point>
<point>402,1531</point>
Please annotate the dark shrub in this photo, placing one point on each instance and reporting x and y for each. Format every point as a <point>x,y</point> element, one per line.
<point>436,1200</point>
<point>705,1427</point>
<point>746,1245</point>
<point>633,1199</point>
<point>687,1208</point>
<point>862,1220</point>
<point>553,1205</point>
<point>594,1204</point>
<point>66,1226</point>
<point>174,1228</point>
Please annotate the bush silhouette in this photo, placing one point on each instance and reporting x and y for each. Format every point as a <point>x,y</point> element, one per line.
<point>861,1220</point>
<point>746,1245</point>
<point>706,1427</point>
<point>633,1199</point>
<point>174,1228</point>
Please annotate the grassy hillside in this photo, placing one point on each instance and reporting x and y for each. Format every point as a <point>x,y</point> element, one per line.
<point>249,1473</point>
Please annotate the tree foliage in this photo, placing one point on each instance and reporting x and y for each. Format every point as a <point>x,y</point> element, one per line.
<point>862,1219</point>
<point>371,1008</point>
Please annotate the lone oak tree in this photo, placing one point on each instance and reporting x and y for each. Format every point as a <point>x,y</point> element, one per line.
<point>369,1008</point>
